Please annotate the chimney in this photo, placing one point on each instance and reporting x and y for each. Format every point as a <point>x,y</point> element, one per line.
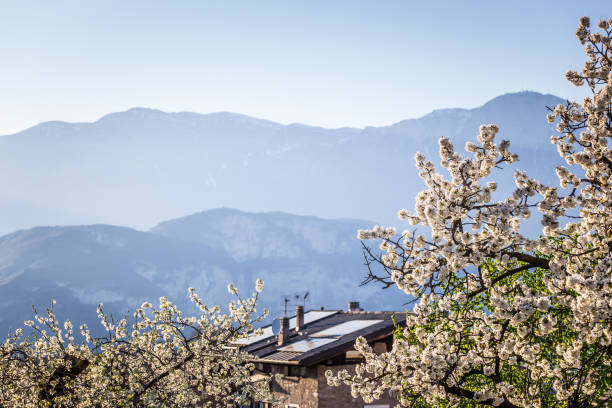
<point>354,307</point>
<point>283,335</point>
<point>299,317</point>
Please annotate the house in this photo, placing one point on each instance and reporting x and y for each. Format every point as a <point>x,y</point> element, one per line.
<point>310,343</point>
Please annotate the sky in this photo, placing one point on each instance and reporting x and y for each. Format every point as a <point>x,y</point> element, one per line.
<point>326,63</point>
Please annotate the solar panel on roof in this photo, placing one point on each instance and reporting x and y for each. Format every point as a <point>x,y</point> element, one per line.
<point>309,317</point>
<point>313,315</point>
<point>305,345</point>
<point>281,355</point>
<point>345,328</point>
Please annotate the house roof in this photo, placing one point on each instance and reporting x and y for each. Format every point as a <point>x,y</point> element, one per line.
<point>323,336</point>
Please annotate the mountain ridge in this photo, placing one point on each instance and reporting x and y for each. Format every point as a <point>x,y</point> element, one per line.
<point>80,266</point>
<point>125,170</point>
<point>301,235</point>
<point>149,112</point>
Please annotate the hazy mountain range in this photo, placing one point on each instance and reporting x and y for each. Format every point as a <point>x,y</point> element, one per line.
<point>139,167</point>
<point>79,266</point>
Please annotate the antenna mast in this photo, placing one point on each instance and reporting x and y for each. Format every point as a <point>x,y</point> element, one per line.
<point>286,300</point>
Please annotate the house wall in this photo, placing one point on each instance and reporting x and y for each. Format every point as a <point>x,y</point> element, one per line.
<point>312,391</point>
<point>297,390</point>
<point>335,397</point>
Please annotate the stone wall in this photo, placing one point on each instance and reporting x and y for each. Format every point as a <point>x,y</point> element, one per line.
<point>312,391</point>
<point>297,390</point>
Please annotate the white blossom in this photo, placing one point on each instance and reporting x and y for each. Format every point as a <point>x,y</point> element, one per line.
<point>259,284</point>
<point>155,358</point>
<point>499,318</point>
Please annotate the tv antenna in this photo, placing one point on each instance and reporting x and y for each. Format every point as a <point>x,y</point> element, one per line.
<point>301,298</point>
<point>298,298</point>
<point>286,300</point>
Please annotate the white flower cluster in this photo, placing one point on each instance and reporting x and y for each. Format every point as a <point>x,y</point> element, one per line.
<point>500,319</point>
<point>158,359</point>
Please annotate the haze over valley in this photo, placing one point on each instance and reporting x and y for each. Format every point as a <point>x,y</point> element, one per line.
<point>140,167</point>
<point>98,212</point>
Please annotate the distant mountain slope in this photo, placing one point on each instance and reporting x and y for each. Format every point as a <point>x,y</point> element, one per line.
<point>137,167</point>
<point>81,266</point>
<point>247,236</point>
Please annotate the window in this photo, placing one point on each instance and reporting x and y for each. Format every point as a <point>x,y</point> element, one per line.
<point>279,369</point>
<point>296,371</point>
<point>294,406</point>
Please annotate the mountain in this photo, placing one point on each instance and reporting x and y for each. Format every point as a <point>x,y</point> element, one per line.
<point>80,266</point>
<point>138,167</point>
<point>271,236</point>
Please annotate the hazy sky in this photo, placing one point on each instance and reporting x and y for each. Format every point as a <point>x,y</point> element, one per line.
<point>327,63</point>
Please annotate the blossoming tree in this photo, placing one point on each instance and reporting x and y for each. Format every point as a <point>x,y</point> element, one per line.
<point>160,359</point>
<point>501,319</point>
